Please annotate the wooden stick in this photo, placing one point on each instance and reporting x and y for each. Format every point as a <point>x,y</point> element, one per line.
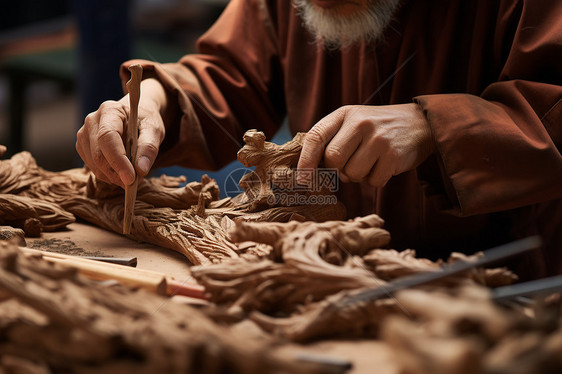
<point>147,279</point>
<point>133,85</point>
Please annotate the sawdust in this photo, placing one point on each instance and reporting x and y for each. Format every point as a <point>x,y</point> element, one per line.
<point>64,246</point>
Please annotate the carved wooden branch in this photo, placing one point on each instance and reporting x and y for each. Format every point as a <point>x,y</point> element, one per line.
<point>32,215</point>
<point>60,322</point>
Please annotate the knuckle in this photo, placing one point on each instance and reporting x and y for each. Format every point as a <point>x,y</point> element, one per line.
<point>155,131</point>
<point>384,142</point>
<point>315,136</point>
<point>109,105</point>
<point>334,155</point>
<point>344,109</point>
<point>105,134</point>
<point>80,135</point>
<point>160,132</point>
<point>90,119</point>
<point>150,149</point>
<point>354,174</point>
<point>363,125</point>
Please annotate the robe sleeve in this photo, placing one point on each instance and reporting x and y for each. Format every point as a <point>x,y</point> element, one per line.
<point>502,149</point>
<point>234,83</point>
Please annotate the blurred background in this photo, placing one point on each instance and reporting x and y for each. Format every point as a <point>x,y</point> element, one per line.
<point>59,59</point>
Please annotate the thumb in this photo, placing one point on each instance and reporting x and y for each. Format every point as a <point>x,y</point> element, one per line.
<point>316,141</point>
<point>151,135</point>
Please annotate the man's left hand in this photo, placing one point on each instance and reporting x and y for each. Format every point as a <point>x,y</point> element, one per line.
<point>368,143</point>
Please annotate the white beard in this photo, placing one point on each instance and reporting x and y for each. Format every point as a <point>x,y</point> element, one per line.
<point>336,31</point>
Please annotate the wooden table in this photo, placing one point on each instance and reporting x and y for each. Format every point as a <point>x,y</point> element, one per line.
<point>88,240</point>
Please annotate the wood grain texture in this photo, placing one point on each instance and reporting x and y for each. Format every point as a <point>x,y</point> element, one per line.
<point>131,143</point>
<point>55,320</point>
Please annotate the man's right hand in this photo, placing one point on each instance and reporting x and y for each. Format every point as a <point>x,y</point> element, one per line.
<point>100,140</point>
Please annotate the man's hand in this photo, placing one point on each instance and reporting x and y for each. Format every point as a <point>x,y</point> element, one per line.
<point>368,143</point>
<point>100,140</point>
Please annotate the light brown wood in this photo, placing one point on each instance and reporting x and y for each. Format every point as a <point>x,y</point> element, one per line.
<point>188,219</point>
<point>138,278</point>
<point>55,319</point>
<point>133,85</point>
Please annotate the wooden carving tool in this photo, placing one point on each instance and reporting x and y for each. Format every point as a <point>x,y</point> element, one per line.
<point>149,280</point>
<point>131,140</point>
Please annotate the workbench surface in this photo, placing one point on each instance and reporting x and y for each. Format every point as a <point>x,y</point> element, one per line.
<point>83,239</point>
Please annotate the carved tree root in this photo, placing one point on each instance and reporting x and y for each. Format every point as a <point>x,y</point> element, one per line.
<point>13,234</point>
<point>187,219</point>
<point>464,332</point>
<point>33,215</point>
<point>314,262</point>
<point>53,319</point>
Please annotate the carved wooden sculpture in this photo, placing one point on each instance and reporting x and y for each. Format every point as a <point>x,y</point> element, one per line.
<point>15,235</point>
<point>288,276</point>
<point>313,265</point>
<point>32,215</point>
<point>464,332</point>
<point>19,173</point>
<point>273,182</point>
<point>53,320</point>
<point>188,219</point>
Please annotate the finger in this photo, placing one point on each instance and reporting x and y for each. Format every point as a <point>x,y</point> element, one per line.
<point>315,140</point>
<point>343,145</point>
<point>344,178</point>
<point>101,176</point>
<point>151,134</point>
<point>83,136</point>
<point>83,148</point>
<point>360,164</point>
<point>84,152</point>
<point>110,143</point>
<point>103,170</point>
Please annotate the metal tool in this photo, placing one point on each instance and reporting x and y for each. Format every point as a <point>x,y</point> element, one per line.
<point>489,256</point>
<point>131,141</point>
<point>127,261</point>
<point>326,364</point>
<point>540,287</point>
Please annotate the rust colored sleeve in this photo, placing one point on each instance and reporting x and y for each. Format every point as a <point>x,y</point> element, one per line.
<point>502,149</point>
<point>231,85</point>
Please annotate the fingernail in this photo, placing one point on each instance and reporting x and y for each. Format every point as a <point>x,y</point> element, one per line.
<point>126,177</point>
<point>144,165</point>
<point>302,179</point>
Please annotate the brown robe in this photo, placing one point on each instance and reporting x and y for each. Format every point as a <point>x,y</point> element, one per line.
<point>487,73</point>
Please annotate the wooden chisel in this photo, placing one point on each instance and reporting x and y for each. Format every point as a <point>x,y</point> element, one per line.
<point>131,141</point>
